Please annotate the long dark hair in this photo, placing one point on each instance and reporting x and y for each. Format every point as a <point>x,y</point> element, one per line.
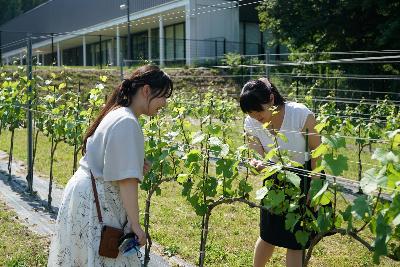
<point>257,93</point>
<point>160,85</point>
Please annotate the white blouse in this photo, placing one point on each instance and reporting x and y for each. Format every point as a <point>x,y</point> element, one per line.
<point>293,123</point>
<point>116,150</point>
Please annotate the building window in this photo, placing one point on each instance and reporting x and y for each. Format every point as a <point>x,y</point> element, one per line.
<point>180,42</point>
<point>175,42</point>
<point>169,43</point>
<point>155,44</point>
<point>140,46</point>
<point>250,38</point>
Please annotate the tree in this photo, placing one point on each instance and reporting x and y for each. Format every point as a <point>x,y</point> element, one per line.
<point>335,25</point>
<point>329,25</point>
<point>14,8</point>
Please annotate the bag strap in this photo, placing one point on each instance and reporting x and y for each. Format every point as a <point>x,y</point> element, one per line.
<point>96,198</point>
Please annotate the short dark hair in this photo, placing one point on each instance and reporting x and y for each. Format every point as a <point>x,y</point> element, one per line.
<point>256,93</point>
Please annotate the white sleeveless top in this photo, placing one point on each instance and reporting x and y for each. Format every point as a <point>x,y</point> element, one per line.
<point>293,123</point>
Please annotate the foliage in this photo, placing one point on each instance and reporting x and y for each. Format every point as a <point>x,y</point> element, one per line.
<point>191,143</point>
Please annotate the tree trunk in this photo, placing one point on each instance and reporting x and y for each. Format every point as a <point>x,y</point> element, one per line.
<point>10,154</point>
<point>360,149</point>
<point>204,234</point>
<point>52,152</point>
<point>35,147</point>
<point>76,151</point>
<point>146,228</point>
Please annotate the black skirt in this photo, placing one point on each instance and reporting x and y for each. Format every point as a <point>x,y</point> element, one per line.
<point>272,226</point>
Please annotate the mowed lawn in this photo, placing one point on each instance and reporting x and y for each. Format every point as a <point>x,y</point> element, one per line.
<point>18,245</point>
<point>174,225</point>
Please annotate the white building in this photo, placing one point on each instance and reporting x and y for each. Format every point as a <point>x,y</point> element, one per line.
<point>94,32</point>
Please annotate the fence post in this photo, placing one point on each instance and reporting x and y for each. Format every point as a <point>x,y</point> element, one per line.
<point>216,51</point>
<point>101,54</point>
<point>1,51</point>
<point>267,63</point>
<point>241,68</point>
<point>29,176</point>
<point>121,62</point>
<point>53,60</point>
<point>336,93</point>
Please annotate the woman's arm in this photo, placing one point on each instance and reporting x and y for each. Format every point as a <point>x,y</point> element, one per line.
<point>314,139</point>
<point>129,195</point>
<point>255,144</point>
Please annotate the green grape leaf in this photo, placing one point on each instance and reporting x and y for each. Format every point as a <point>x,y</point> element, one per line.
<point>395,137</point>
<point>213,129</point>
<point>393,213</point>
<point>291,221</point>
<point>396,220</point>
<point>326,198</point>
<point>318,169</point>
<point>336,165</point>
<point>392,180</point>
<point>334,141</point>
<point>293,178</point>
<point>270,170</point>
<point>320,126</point>
<point>322,149</point>
<point>199,207</point>
<point>383,231</point>
<point>348,217</point>
<point>193,156</point>
<point>282,137</point>
<point>276,197</point>
<point>385,156</point>
<point>62,86</point>
<point>271,153</point>
<point>372,179</point>
<point>244,187</point>
<point>324,219</point>
<point>261,193</point>
<point>338,220</point>
<point>317,189</point>
<point>293,207</point>
<point>302,237</point>
<point>225,167</point>
<point>158,191</point>
<point>198,137</point>
<point>361,208</point>
<point>182,178</point>
<point>210,187</point>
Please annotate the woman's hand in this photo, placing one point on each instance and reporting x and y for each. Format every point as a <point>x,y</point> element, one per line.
<point>258,164</point>
<point>146,166</point>
<point>137,229</point>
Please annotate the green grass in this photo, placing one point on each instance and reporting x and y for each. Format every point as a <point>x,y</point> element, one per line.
<point>233,231</point>
<point>63,158</point>
<point>174,225</point>
<point>18,245</point>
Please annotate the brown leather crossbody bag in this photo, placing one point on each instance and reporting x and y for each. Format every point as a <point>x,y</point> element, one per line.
<point>109,235</point>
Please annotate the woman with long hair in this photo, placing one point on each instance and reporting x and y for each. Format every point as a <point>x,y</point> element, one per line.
<point>264,105</point>
<point>113,158</point>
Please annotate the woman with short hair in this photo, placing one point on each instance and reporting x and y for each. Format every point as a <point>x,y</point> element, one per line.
<point>264,105</point>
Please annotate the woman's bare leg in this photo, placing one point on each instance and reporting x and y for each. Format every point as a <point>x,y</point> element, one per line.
<point>262,253</point>
<point>294,258</point>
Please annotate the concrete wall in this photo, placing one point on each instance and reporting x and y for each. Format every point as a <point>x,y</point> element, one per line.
<point>216,23</point>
